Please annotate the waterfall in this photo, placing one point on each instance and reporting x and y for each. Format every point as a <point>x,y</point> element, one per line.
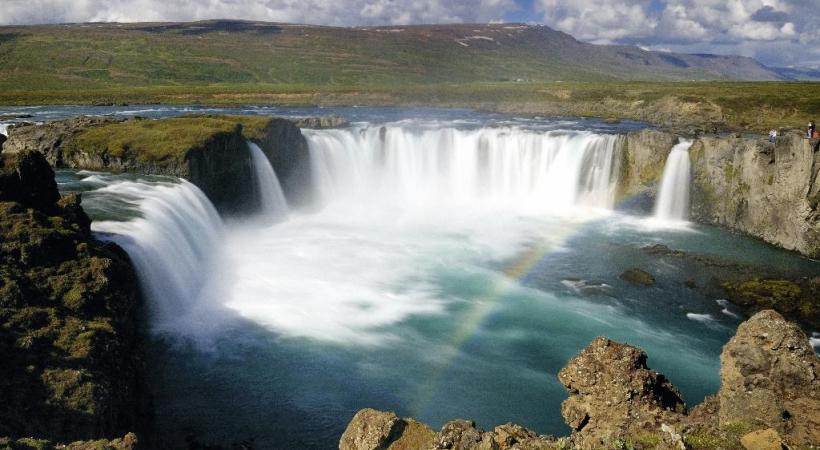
<point>269,191</point>
<point>672,203</point>
<point>4,129</point>
<point>173,244</point>
<point>535,170</point>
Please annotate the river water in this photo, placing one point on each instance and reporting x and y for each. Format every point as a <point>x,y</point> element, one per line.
<point>453,264</point>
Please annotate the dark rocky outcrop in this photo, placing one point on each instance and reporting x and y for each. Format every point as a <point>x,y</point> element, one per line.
<point>69,313</point>
<point>287,151</point>
<point>768,400</point>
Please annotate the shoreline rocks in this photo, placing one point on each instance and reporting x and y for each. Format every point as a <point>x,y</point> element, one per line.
<point>769,399</point>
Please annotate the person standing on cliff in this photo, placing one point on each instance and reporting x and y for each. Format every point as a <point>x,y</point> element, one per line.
<point>812,129</point>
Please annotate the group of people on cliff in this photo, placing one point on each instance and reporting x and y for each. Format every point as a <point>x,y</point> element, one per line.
<point>813,133</point>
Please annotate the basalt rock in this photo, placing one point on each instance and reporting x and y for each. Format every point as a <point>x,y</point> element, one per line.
<point>69,312</point>
<point>612,393</point>
<point>770,378</point>
<point>770,191</point>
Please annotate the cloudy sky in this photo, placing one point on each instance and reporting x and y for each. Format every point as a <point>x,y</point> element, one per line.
<point>776,32</point>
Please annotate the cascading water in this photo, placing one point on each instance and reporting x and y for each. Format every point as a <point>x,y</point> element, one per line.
<point>536,171</point>
<point>4,129</point>
<point>174,242</point>
<point>673,196</point>
<point>272,200</point>
<point>440,261</point>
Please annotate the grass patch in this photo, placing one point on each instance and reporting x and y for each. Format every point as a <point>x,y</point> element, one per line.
<point>157,140</point>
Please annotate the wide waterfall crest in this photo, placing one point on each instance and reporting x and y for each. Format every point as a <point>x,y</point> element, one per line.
<point>273,204</point>
<point>672,203</point>
<point>536,171</point>
<point>174,244</point>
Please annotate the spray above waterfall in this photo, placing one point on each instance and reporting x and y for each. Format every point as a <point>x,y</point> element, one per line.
<point>672,203</point>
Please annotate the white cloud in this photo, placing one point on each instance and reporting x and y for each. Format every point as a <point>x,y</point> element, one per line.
<point>771,30</point>
<point>324,12</point>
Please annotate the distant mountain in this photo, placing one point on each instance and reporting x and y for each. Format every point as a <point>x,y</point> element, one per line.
<point>110,55</point>
<point>798,74</point>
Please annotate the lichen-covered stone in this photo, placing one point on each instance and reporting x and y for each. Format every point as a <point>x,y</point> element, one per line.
<point>770,378</point>
<point>612,393</point>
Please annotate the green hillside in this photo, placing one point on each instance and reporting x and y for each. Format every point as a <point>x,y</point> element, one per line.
<point>98,56</point>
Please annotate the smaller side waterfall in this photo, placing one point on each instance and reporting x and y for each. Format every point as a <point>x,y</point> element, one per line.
<point>269,191</point>
<point>672,203</point>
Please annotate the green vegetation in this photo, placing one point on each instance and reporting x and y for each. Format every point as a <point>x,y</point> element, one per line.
<point>68,313</point>
<point>786,297</point>
<point>154,140</point>
<point>511,68</point>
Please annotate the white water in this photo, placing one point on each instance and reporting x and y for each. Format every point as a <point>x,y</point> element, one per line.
<point>673,196</point>
<point>399,208</point>
<point>272,200</point>
<point>4,129</point>
<point>443,167</point>
<point>175,245</point>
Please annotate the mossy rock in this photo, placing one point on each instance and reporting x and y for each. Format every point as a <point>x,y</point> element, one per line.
<point>638,276</point>
<point>785,296</point>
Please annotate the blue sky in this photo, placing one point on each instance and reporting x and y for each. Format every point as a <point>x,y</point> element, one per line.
<point>776,32</point>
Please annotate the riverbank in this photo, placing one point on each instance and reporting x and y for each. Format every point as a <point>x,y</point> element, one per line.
<point>696,106</point>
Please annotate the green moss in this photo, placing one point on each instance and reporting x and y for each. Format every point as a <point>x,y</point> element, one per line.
<point>770,181</point>
<point>706,441</point>
<point>729,172</point>
<point>785,296</point>
<point>738,428</point>
<point>72,389</point>
<point>158,140</point>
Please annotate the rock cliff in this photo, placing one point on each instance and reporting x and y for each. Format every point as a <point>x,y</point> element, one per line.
<point>209,151</point>
<point>767,190</point>
<point>769,399</point>
<point>770,191</point>
<point>69,313</point>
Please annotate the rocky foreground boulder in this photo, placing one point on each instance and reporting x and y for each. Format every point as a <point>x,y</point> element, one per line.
<point>612,393</point>
<point>770,378</point>
<point>70,360</point>
<point>768,400</point>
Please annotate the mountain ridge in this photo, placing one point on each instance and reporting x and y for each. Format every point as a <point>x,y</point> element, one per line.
<point>100,55</point>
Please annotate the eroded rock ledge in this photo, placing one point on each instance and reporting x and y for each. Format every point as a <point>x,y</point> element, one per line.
<point>769,399</point>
